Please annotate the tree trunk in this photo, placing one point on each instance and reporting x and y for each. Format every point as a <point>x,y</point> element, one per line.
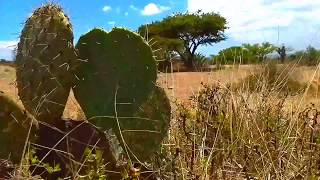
<point>187,58</point>
<point>190,60</point>
<point>189,63</point>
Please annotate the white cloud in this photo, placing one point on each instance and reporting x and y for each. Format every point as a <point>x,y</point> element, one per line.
<point>153,9</point>
<point>126,13</point>
<point>8,44</point>
<point>259,20</point>
<point>133,7</point>
<point>106,8</point>
<point>111,23</point>
<point>6,48</point>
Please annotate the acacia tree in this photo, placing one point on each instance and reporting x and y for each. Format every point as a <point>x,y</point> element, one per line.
<point>190,29</point>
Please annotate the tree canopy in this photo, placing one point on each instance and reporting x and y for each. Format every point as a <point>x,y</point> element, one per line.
<point>310,56</point>
<point>260,51</point>
<point>234,54</point>
<point>185,32</point>
<point>245,54</point>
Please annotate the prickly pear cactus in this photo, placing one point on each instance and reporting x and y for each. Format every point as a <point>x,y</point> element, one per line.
<point>120,71</point>
<point>144,132</point>
<point>117,90</point>
<point>45,62</point>
<point>14,129</point>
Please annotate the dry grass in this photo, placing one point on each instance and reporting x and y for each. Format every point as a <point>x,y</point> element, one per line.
<point>224,132</point>
<point>182,85</point>
<point>235,135</point>
<point>240,133</point>
<point>7,80</point>
<point>7,73</point>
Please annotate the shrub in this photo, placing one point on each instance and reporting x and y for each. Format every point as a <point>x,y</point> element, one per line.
<point>228,135</point>
<point>272,76</point>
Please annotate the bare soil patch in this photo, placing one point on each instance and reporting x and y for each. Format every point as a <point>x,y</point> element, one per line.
<point>181,85</point>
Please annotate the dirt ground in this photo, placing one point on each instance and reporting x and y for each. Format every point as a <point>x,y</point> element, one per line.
<point>180,86</point>
<point>7,81</point>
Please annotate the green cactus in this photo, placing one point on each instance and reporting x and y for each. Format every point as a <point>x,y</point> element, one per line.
<point>118,90</point>
<point>120,66</point>
<point>14,129</point>
<point>45,62</point>
<point>144,132</point>
<point>116,84</point>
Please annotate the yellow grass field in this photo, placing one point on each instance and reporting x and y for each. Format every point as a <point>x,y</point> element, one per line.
<point>181,85</point>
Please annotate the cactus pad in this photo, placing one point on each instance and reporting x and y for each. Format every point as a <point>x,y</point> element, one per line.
<point>144,132</point>
<point>120,64</point>
<point>45,61</point>
<point>14,127</point>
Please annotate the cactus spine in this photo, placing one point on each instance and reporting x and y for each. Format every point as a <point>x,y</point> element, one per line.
<point>45,63</point>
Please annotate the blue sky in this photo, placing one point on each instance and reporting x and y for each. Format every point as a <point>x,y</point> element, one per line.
<point>297,22</point>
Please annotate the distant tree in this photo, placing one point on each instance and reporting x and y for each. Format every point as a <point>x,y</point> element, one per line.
<point>297,55</point>
<point>252,49</point>
<point>230,55</point>
<point>312,55</point>
<point>283,52</point>
<point>235,54</point>
<point>185,32</point>
<point>260,51</point>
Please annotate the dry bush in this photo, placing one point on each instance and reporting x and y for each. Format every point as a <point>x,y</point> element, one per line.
<point>228,134</point>
<point>273,76</point>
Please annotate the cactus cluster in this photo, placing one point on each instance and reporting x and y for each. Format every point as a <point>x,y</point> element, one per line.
<point>113,76</point>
